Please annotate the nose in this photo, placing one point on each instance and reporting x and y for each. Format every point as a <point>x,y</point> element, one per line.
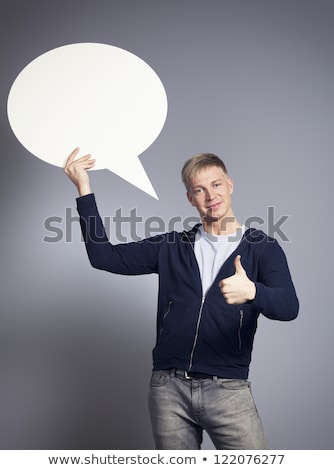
<point>209,195</point>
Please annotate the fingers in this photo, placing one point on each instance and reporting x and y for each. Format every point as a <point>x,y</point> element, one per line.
<point>224,286</point>
<point>86,162</point>
<point>72,156</point>
<point>229,294</point>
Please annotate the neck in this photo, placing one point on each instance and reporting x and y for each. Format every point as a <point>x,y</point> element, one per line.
<point>225,226</point>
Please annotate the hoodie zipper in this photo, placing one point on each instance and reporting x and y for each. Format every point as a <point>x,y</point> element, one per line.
<point>241,320</point>
<point>199,314</point>
<point>196,334</point>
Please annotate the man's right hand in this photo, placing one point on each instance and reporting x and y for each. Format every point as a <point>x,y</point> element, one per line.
<point>76,170</point>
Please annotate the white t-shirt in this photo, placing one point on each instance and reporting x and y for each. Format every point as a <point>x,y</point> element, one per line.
<point>212,251</point>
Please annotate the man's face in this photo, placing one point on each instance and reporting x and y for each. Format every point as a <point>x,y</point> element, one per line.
<point>210,192</point>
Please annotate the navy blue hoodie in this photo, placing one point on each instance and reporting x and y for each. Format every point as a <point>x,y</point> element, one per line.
<point>195,332</point>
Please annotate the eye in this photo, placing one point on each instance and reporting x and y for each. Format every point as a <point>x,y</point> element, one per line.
<point>216,185</point>
<point>198,190</point>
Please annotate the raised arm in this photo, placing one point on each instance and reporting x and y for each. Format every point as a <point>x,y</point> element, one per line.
<point>128,258</point>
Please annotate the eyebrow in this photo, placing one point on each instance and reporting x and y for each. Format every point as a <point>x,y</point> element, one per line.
<point>200,186</point>
<point>219,180</point>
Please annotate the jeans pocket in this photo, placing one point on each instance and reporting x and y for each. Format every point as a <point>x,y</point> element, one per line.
<point>159,378</point>
<point>234,384</point>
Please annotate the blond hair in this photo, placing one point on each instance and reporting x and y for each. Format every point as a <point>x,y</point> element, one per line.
<point>200,162</point>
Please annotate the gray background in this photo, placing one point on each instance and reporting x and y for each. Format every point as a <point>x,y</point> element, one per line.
<point>249,80</point>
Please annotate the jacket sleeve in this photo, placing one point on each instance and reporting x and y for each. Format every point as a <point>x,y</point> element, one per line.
<point>275,293</point>
<point>127,258</point>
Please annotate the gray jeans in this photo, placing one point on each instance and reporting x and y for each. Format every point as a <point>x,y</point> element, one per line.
<point>181,409</point>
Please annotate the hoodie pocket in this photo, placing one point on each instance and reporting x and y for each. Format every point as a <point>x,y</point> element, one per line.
<point>241,324</point>
<point>164,317</point>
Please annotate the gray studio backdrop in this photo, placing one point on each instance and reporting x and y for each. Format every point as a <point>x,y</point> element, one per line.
<point>249,80</point>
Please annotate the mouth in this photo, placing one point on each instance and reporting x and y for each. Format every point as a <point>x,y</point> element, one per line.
<point>214,207</point>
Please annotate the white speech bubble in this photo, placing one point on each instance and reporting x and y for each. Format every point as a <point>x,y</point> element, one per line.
<point>98,97</point>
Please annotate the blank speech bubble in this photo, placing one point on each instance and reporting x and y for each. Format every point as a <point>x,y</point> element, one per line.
<point>98,97</point>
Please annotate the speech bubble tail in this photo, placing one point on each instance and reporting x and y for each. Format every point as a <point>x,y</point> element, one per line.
<point>135,174</point>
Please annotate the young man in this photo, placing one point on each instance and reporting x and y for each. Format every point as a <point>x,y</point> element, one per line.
<point>214,281</point>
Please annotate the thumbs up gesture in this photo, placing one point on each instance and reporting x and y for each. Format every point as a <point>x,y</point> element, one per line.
<point>237,289</point>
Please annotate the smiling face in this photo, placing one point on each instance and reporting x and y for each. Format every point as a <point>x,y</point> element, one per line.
<point>210,192</point>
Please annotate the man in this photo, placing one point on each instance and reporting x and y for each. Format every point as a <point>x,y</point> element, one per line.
<point>214,281</point>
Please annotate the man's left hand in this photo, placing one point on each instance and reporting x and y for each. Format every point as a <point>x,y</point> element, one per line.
<point>238,289</point>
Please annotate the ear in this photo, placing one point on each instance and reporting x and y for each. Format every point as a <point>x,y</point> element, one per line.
<point>190,198</point>
<point>230,185</point>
